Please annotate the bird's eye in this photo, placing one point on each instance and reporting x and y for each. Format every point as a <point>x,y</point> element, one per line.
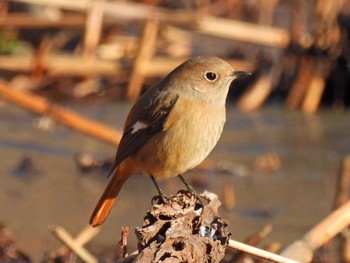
<point>210,76</point>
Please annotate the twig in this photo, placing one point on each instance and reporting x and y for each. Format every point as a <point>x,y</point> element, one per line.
<point>124,241</point>
<point>274,247</point>
<point>259,252</point>
<point>252,241</point>
<point>68,240</point>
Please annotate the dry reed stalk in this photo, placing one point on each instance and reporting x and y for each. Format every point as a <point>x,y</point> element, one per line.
<point>257,94</point>
<point>313,94</point>
<point>68,240</point>
<point>242,31</point>
<point>342,195</point>
<point>122,10</point>
<point>254,239</point>
<point>267,9</point>
<point>63,65</point>
<point>145,53</point>
<point>61,114</point>
<point>93,28</point>
<point>319,235</point>
<point>259,252</point>
<point>29,21</point>
<point>298,91</point>
<point>82,238</point>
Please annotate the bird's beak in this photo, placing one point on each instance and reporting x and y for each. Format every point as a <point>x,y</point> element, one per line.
<point>240,74</point>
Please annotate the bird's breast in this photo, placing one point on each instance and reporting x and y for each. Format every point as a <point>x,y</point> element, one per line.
<point>189,134</point>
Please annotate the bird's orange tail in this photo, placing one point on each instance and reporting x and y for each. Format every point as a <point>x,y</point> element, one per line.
<point>109,196</point>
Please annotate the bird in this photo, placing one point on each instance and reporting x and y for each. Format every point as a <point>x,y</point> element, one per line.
<point>172,127</point>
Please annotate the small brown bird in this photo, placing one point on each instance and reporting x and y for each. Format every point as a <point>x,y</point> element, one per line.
<point>172,127</point>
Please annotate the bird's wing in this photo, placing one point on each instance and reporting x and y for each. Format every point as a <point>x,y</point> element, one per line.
<point>138,131</point>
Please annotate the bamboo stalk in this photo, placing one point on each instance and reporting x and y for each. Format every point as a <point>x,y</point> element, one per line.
<point>68,240</point>
<point>319,235</point>
<point>61,114</point>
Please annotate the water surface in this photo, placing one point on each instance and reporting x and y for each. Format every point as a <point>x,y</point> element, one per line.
<point>52,190</point>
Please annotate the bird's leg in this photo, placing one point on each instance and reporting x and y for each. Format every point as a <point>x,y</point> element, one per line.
<point>164,197</point>
<point>189,187</point>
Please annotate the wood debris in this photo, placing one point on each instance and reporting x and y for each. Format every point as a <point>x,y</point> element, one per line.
<point>183,231</point>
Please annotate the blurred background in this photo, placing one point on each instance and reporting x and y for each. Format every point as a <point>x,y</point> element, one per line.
<point>70,71</point>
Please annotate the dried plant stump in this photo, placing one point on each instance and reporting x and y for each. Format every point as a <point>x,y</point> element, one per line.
<point>183,230</point>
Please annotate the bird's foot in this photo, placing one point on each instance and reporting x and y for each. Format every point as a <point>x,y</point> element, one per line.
<point>162,198</point>
<point>192,191</point>
<point>198,197</point>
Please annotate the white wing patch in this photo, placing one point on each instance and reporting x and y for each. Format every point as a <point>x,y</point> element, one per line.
<point>138,126</point>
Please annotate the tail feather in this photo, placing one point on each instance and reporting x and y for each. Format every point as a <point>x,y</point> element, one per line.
<point>109,196</point>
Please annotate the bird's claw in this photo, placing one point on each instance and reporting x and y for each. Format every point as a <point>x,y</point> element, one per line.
<point>162,199</point>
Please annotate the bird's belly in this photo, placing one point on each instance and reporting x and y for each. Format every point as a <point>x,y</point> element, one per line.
<point>179,148</point>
